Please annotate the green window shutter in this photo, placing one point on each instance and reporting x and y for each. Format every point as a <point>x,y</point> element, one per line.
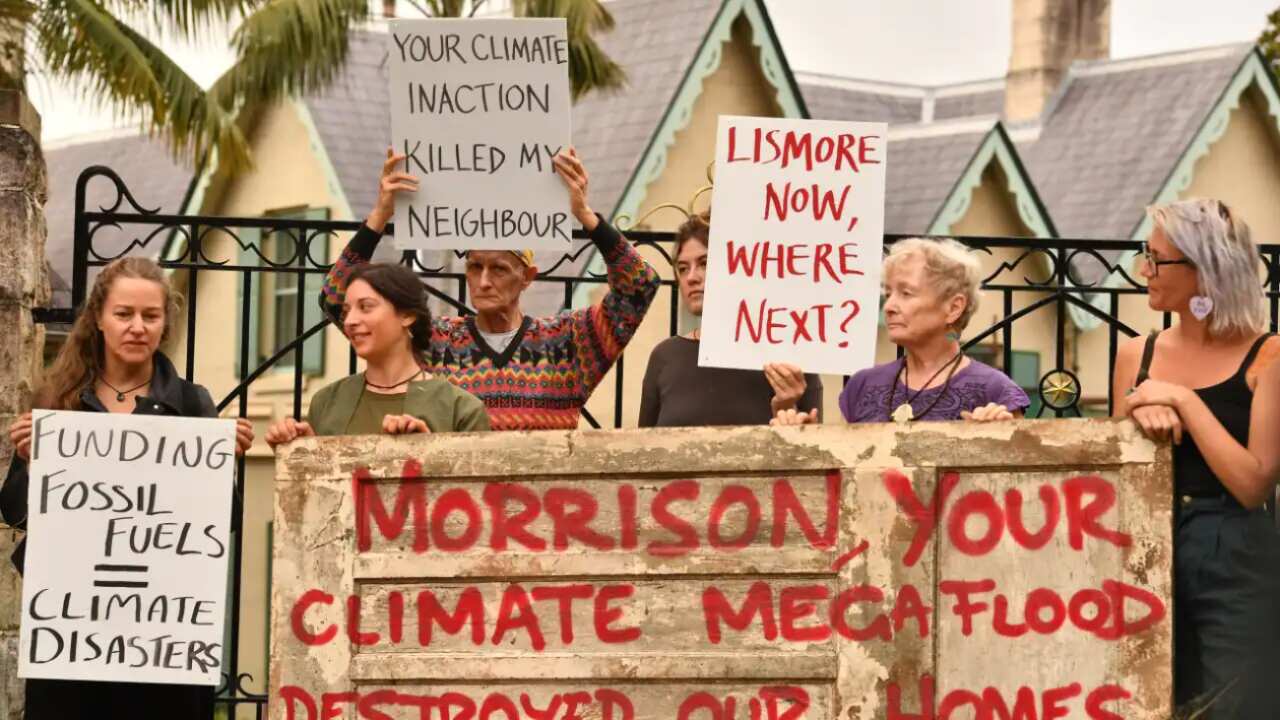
<point>313,348</point>
<point>253,238</point>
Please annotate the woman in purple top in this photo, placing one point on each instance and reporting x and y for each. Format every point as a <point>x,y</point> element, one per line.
<point>930,293</point>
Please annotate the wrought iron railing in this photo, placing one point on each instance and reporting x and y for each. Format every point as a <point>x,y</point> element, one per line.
<point>1079,282</point>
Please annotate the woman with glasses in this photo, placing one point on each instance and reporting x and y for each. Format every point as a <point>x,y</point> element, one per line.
<point>1211,384</point>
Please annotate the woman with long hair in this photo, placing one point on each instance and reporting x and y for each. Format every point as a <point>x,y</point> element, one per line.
<point>112,362</point>
<point>1211,384</point>
<point>386,319</point>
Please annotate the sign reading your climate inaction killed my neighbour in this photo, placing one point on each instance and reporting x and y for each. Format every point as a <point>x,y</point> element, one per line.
<point>480,107</point>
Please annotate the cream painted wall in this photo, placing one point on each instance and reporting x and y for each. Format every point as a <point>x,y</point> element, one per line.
<point>993,212</point>
<point>1243,170</point>
<point>737,87</point>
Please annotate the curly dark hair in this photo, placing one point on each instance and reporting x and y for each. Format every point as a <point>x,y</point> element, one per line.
<point>406,293</point>
<point>697,227</point>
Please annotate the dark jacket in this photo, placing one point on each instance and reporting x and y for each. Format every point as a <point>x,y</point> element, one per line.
<point>170,395</point>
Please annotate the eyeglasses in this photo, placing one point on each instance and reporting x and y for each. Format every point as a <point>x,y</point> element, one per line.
<point>1154,263</point>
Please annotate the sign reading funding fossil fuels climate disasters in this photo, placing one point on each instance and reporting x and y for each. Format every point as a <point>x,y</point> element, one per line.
<point>941,571</point>
<point>127,537</point>
<point>480,108</point>
<point>797,224</point>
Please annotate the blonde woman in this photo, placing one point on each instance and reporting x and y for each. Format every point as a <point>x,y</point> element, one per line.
<point>1211,384</point>
<point>930,294</point>
<point>111,362</point>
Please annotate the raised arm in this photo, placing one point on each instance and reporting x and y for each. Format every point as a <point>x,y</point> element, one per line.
<point>360,249</point>
<point>602,331</point>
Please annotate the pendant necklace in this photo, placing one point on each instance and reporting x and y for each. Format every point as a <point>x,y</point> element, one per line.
<point>121,393</point>
<point>904,413</point>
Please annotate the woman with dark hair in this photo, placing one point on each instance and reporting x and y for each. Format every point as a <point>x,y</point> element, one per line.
<point>1211,384</point>
<point>386,319</point>
<point>111,362</point>
<point>678,392</point>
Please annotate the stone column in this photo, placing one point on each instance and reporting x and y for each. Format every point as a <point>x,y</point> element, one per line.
<point>23,285</point>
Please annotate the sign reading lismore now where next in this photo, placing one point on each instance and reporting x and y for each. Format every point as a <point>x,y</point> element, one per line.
<point>953,570</point>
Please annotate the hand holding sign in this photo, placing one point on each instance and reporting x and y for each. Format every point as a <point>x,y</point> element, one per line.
<point>20,435</point>
<point>480,111</point>
<point>391,183</point>
<point>793,271</point>
<point>145,501</point>
<point>574,174</point>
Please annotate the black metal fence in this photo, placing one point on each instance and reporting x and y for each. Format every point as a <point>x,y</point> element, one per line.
<point>1069,280</point>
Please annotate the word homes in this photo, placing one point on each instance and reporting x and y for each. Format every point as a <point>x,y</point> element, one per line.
<point>478,105</point>
<point>146,503</point>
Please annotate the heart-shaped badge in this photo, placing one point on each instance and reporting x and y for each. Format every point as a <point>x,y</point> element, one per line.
<point>1201,306</point>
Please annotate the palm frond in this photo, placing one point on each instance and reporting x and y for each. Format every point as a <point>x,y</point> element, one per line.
<point>590,68</point>
<point>82,41</point>
<point>187,19</point>
<point>288,47</point>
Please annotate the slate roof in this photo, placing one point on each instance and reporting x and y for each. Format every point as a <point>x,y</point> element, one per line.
<point>947,106</point>
<point>829,98</point>
<point>922,171</point>
<point>150,173</point>
<point>1109,140</point>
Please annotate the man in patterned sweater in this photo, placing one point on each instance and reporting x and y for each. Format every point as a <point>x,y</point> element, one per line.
<point>531,373</point>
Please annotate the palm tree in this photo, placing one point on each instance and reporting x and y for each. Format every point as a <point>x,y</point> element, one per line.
<point>282,48</point>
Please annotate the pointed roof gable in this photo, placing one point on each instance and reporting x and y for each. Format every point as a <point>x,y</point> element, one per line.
<point>1111,137</point>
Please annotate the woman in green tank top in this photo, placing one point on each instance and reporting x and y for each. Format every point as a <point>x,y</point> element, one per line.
<point>385,316</point>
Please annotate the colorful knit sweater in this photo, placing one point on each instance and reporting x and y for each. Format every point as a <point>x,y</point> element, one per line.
<point>544,377</point>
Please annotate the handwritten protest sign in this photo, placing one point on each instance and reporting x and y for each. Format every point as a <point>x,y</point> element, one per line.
<point>793,267</point>
<point>959,570</point>
<point>480,107</point>
<point>126,568</point>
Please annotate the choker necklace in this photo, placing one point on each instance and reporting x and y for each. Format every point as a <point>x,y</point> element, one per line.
<point>121,393</point>
<point>418,372</point>
<point>904,413</point>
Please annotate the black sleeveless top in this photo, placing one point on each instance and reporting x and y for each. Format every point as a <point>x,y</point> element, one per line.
<point>1231,402</point>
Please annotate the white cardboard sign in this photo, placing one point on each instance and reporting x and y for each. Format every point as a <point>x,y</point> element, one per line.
<point>127,544</point>
<point>480,107</point>
<point>797,226</point>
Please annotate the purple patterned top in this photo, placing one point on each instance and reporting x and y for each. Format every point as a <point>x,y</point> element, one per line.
<point>866,397</point>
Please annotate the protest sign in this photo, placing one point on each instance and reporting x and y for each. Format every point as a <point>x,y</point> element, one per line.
<point>793,266</point>
<point>126,566</point>
<point>936,571</point>
<point>480,107</point>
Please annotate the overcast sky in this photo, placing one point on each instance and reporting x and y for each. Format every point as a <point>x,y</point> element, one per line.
<point>912,41</point>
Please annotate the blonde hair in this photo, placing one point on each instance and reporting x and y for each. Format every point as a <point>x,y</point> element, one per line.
<point>80,358</point>
<point>1218,243</point>
<point>951,268</point>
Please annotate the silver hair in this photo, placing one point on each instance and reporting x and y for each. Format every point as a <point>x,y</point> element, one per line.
<point>952,270</point>
<point>1218,243</point>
